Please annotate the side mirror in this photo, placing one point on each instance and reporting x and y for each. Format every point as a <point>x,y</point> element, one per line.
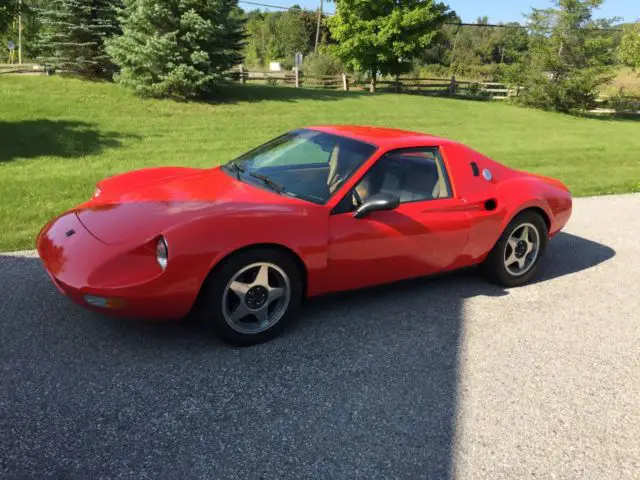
<point>377,203</point>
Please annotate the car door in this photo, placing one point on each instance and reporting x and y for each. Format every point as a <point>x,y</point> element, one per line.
<point>424,235</point>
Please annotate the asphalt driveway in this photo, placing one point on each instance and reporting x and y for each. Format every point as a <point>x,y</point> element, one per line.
<point>439,378</point>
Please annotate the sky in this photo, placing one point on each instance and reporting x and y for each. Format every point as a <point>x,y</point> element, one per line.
<point>496,10</point>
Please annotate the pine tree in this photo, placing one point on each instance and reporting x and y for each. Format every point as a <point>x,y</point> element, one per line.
<point>73,35</point>
<point>8,12</point>
<point>179,48</point>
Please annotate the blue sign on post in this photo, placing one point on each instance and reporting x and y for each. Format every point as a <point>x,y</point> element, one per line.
<point>11,45</point>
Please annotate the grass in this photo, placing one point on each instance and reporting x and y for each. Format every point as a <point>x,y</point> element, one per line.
<point>58,136</point>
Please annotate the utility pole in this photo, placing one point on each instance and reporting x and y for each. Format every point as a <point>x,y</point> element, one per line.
<point>20,33</point>
<point>319,24</point>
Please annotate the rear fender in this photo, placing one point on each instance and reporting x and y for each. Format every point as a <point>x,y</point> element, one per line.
<point>487,225</point>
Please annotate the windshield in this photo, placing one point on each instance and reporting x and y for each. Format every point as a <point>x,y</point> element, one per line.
<point>306,164</point>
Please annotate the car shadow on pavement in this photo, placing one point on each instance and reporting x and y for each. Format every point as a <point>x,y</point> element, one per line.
<point>365,385</point>
<point>568,254</point>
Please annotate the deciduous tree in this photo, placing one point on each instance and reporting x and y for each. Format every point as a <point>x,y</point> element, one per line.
<point>569,57</point>
<point>383,36</point>
<point>278,36</point>
<point>629,50</point>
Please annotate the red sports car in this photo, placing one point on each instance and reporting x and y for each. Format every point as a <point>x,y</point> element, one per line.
<point>316,210</point>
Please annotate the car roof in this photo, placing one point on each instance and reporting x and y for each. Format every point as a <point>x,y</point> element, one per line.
<point>386,138</point>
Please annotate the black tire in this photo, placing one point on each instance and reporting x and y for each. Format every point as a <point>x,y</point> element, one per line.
<point>494,268</point>
<point>209,308</point>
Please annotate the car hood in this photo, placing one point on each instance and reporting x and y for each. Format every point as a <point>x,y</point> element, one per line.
<point>146,203</point>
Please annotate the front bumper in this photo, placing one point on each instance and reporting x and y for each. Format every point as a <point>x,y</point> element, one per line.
<point>126,276</point>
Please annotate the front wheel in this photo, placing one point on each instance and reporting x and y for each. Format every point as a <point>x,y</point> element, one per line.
<point>515,258</point>
<point>252,297</point>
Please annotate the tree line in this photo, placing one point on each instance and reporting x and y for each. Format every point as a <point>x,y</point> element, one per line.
<point>184,48</point>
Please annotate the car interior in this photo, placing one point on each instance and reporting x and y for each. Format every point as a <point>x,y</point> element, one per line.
<point>321,180</point>
<point>412,175</point>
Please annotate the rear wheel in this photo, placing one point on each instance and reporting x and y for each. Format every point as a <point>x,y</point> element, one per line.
<point>252,297</point>
<point>515,258</point>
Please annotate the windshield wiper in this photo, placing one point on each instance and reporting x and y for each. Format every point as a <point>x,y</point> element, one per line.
<point>236,168</point>
<point>275,186</point>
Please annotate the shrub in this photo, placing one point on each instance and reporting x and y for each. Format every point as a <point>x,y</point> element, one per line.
<point>474,88</point>
<point>622,103</point>
<point>573,92</point>
<point>320,64</point>
<point>286,64</point>
<point>434,71</point>
<point>488,72</point>
<point>463,71</point>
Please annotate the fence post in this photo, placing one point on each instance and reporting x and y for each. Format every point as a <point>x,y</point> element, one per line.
<point>345,82</point>
<point>454,85</point>
<point>241,74</point>
<point>297,72</point>
<point>397,85</point>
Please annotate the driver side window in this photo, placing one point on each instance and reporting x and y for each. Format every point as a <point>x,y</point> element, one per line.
<point>413,175</point>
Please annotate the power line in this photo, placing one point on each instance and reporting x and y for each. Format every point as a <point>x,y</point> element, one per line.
<point>529,27</point>
<point>279,7</point>
<point>458,24</point>
<point>526,27</point>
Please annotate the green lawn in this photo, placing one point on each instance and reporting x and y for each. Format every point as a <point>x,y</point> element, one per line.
<point>58,136</point>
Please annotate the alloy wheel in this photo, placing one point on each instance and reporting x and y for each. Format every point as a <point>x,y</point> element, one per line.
<point>522,249</point>
<point>256,298</point>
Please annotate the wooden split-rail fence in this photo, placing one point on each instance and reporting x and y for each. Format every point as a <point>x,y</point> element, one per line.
<point>423,86</point>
